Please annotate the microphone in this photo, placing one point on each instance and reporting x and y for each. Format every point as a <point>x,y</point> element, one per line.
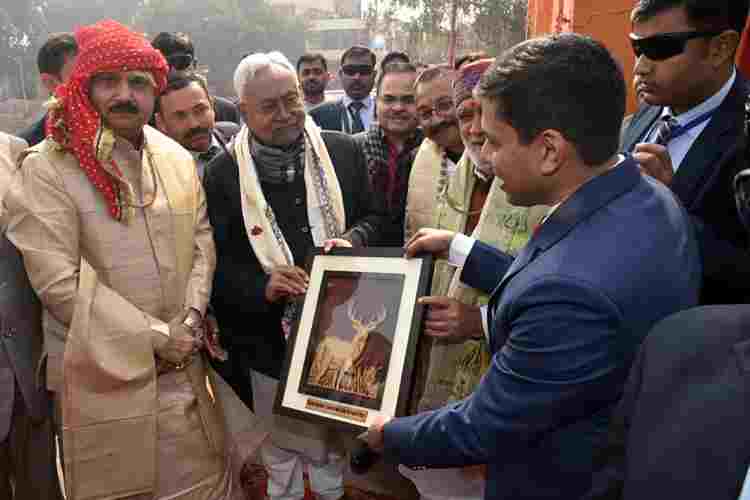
<point>362,458</point>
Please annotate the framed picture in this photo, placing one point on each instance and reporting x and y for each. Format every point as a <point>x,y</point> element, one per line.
<point>353,342</point>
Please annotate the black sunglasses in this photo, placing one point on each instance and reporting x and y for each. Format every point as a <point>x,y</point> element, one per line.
<point>180,61</point>
<point>353,69</point>
<point>665,45</point>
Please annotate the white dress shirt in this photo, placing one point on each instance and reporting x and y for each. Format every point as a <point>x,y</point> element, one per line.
<point>679,147</point>
<point>200,164</point>
<point>461,247</point>
<point>365,114</point>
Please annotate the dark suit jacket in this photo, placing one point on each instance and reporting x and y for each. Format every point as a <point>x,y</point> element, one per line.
<point>378,177</point>
<point>703,183</point>
<point>246,320</point>
<point>565,322</point>
<point>226,111</point>
<point>20,339</point>
<point>35,133</point>
<point>330,116</point>
<point>685,412</point>
<point>225,131</point>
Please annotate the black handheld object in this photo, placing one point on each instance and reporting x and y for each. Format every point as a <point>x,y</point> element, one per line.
<point>362,458</point>
<point>742,180</point>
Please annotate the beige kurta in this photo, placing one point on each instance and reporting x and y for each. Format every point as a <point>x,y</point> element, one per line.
<point>168,441</point>
<point>10,148</point>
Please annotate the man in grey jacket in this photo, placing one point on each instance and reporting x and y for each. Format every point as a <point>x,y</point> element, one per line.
<point>27,451</point>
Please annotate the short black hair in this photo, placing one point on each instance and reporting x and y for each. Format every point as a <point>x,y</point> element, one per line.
<point>567,82</point>
<point>173,43</point>
<point>358,50</point>
<point>702,14</point>
<point>391,68</point>
<point>394,56</point>
<point>51,56</point>
<point>470,58</point>
<point>311,58</point>
<point>178,80</point>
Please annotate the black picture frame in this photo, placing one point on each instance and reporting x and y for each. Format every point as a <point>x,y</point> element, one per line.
<point>353,342</point>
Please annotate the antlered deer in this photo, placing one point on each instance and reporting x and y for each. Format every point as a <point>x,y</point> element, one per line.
<point>362,367</point>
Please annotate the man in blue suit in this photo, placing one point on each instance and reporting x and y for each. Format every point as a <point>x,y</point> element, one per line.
<point>615,255</point>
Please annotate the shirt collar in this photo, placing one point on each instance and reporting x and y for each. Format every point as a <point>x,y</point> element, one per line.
<point>367,101</point>
<point>620,160</point>
<point>214,143</point>
<point>706,106</point>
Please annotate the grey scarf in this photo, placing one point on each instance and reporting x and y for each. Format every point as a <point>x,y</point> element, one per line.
<point>278,165</point>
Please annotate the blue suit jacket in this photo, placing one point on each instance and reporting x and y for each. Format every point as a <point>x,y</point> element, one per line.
<point>565,322</point>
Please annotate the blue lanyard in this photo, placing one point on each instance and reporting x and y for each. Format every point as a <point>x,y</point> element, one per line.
<point>681,130</point>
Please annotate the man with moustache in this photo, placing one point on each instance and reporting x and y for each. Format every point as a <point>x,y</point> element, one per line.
<point>354,112</point>
<point>283,188</point>
<point>567,315</point>
<point>185,112</point>
<point>111,220</point>
<point>390,144</point>
<point>689,131</point>
<point>438,156</point>
<point>435,167</point>
<point>457,357</point>
<point>312,71</point>
<point>27,443</point>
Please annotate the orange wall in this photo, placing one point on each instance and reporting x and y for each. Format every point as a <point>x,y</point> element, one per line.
<point>743,54</point>
<point>607,21</point>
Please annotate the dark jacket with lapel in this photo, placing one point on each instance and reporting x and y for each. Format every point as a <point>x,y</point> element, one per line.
<point>377,173</point>
<point>225,132</point>
<point>35,133</point>
<point>20,339</point>
<point>684,417</point>
<point>330,115</point>
<point>703,183</point>
<point>566,320</point>
<point>226,110</point>
<point>246,320</point>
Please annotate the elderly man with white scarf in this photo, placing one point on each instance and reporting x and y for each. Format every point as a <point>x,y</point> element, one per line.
<point>282,189</point>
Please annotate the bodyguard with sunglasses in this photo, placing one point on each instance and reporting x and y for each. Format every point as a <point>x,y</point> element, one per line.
<point>179,51</point>
<point>354,112</point>
<point>687,133</point>
<point>681,428</point>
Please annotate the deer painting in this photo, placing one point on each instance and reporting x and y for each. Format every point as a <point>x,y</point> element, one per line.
<point>358,367</point>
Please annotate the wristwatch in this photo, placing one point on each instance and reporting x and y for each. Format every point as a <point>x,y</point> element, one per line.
<point>193,319</point>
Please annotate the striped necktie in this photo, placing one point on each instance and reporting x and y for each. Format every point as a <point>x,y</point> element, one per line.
<point>354,108</point>
<point>667,127</point>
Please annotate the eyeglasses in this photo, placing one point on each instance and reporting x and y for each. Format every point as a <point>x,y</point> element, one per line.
<point>442,107</point>
<point>353,69</point>
<point>180,61</point>
<point>665,45</point>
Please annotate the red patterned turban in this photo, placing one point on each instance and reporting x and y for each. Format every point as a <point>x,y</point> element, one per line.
<point>74,122</point>
<point>467,78</point>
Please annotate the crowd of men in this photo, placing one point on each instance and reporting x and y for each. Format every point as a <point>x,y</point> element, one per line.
<point>586,327</point>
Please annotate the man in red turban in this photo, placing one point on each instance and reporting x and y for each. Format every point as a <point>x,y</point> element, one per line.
<point>111,220</point>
